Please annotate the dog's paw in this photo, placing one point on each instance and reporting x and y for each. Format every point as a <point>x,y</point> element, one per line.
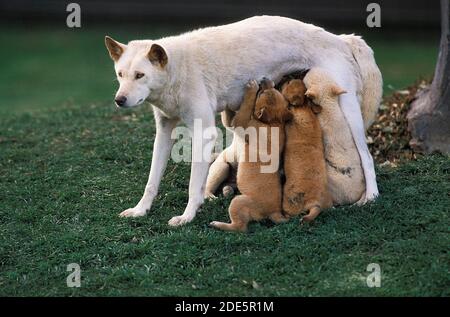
<point>372,196</point>
<point>132,213</point>
<point>252,86</point>
<point>179,221</point>
<point>366,198</point>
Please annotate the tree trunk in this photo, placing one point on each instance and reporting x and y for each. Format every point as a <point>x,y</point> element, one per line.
<point>429,116</point>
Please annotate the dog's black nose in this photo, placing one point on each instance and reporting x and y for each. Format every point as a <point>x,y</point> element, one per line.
<point>120,100</point>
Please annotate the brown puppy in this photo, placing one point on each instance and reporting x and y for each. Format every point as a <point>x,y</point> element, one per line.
<point>304,162</point>
<point>261,192</point>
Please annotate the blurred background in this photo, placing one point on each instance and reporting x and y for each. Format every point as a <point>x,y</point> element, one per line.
<point>46,65</point>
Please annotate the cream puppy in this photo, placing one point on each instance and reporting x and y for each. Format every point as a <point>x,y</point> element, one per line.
<point>345,174</point>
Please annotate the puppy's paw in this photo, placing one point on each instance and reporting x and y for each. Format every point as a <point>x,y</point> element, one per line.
<point>227,190</point>
<point>179,221</point>
<point>252,86</point>
<point>132,213</point>
<point>362,201</point>
<point>210,196</point>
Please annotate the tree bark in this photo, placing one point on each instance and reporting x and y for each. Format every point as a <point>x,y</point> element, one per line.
<point>429,115</point>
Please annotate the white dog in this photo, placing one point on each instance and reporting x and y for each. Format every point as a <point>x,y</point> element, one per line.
<point>194,75</point>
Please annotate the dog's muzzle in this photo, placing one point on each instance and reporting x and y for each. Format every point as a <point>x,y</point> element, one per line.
<point>120,101</point>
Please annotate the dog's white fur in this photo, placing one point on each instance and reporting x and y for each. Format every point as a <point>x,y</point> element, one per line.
<point>207,70</point>
<point>372,81</point>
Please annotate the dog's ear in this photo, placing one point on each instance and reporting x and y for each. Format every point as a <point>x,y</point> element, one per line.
<point>287,116</point>
<point>298,100</point>
<point>263,115</point>
<point>260,113</point>
<point>316,108</point>
<point>336,90</point>
<point>312,93</point>
<point>115,48</point>
<point>157,55</point>
<point>284,85</point>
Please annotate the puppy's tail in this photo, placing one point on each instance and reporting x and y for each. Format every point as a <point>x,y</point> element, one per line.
<point>371,77</point>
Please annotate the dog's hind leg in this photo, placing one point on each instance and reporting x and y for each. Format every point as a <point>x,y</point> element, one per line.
<point>352,112</point>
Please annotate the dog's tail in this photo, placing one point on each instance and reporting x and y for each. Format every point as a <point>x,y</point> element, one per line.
<point>372,80</point>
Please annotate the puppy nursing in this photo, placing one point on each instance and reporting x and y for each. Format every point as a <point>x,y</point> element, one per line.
<point>261,192</point>
<point>346,182</point>
<point>321,163</point>
<point>304,163</point>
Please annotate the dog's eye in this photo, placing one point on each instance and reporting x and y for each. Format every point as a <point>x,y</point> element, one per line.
<point>120,74</point>
<point>139,75</point>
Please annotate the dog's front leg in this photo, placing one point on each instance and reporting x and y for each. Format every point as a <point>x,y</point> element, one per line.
<point>161,151</point>
<point>204,136</point>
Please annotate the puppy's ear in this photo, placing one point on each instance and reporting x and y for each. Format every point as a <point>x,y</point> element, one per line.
<point>260,113</point>
<point>157,55</point>
<point>336,90</point>
<point>316,108</point>
<point>115,48</point>
<point>298,100</point>
<point>284,85</point>
<point>263,115</point>
<point>287,115</point>
<point>312,93</point>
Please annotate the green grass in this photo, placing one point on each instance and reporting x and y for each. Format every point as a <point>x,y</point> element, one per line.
<point>70,162</point>
<point>66,174</point>
<point>402,62</point>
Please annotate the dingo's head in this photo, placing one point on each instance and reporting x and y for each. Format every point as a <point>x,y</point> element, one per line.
<point>141,71</point>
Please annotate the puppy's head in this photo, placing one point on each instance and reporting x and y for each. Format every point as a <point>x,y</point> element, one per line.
<point>321,86</point>
<point>294,92</point>
<point>271,106</point>
<point>141,69</point>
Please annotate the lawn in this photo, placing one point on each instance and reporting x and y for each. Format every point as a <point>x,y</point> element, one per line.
<point>70,162</point>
